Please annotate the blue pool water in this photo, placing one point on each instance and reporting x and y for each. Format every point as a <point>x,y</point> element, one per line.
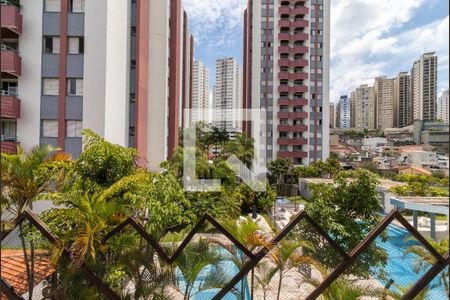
<point>227,266</point>
<point>400,267</point>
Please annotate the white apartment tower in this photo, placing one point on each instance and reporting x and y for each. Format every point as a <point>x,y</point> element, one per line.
<point>227,97</point>
<point>200,92</point>
<point>286,73</point>
<point>442,107</point>
<point>424,87</point>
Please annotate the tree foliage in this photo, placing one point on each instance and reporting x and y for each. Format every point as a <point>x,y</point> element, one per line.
<point>347,210</point>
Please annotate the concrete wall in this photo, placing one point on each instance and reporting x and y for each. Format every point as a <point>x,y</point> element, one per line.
<point>158,83</point>
<point>28,126</point>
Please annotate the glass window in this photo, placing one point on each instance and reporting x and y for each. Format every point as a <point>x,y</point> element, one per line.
<point>76,45</point>
<point>51,86</point>
<point>75,86</point>
<point>51,44</point>
<point>76,6</point>
<point>8,130</point>
<point>52,5</point>
<point>74,128</point>
<point>50,128</point>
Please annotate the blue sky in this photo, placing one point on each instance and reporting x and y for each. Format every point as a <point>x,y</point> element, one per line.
<point>369,38</point>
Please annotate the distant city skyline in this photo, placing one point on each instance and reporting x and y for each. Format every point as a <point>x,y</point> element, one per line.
<point>390,36</point>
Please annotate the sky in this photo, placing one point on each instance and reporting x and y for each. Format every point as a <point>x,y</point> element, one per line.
<point>369,38</point>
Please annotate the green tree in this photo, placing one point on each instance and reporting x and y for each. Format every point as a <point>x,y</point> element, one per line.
<point>424,259</point>
<point>102,162</point>
<point>194,258</point>
<point>287,256</point>
<point>346,210</point>
<point>243,147</point>
<point>21,183</point>
<point>280,167</point>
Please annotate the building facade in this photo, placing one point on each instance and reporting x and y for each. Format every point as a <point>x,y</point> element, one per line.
<point>363,99</point>
<point>120,68</point>
<point>384,99</point>
<point>344,112</point>
<point>403,109</point>
<point>227,95</point>
<point>200,92</point>
<point>442,107</point>
<point>332,115</point>
<point>286,73</point>
<point>424,87</point>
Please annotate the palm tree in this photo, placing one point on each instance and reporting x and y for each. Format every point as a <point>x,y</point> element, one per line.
<point>243,146</point>
<point>423,259</point>
<point>287,256</point>
<point>193,259</point>
<point>345,289</point>
<point>249,234</point>
<point>264,275</point>
<point>398,294</point>
<point>21,184</point>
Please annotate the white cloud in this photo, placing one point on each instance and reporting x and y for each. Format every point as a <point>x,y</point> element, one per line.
<point>368,40</point>
<point>214,22</point>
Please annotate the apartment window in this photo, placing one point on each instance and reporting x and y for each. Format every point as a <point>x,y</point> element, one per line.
<point>8,130</point>
<point>52,5</point>
<point>74,128</point>
<point>50,128</point>
<point>51,87</point>
<point>76,6</point>
<point>76,45</point>
<point>51,44</point>
<point>75,86</point>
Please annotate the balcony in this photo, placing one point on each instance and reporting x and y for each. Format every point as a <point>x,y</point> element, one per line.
<point>293,141</point>
<point>10,106</point>
<point>292,115</point>
<point>293,50</point>
<point>293,37</point>
<point>298,23</point>
<point>11,18</point>
<point>294,11</point>
<point>292,102</point>
<point>9,147</point>
<point>293,128</point>
<point>293,89</point>
<point>293,63</point>
<point>287,154</point>
<point>293,76</point>
<point>11,61</point>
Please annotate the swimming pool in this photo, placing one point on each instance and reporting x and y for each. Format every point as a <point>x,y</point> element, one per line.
<point>400,267</point>
<point>227,266</point>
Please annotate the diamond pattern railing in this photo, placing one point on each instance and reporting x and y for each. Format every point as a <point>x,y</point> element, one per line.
<point>348,259</point>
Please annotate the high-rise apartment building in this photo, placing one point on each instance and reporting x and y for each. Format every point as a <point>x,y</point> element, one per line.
<point>332,115</point>
<point>403,106</point>
<point>227,97</point>
<point>442,107</point>
<point>286,73</point>
<point>384,97</point>
<point>344,112</point>
<point>200,92</point>
<point>121,68</point>
<point>352,101</point>
<point>424,87</point>
<point>363,100</point>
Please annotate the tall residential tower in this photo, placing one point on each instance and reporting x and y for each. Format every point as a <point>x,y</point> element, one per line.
<point>200,92</point>
<point>227,95</point>
<point>286,73</point>
<point>121,68</point>
<point>424,87</point>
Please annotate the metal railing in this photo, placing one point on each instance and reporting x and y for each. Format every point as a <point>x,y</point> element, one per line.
<point>348,259</point>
